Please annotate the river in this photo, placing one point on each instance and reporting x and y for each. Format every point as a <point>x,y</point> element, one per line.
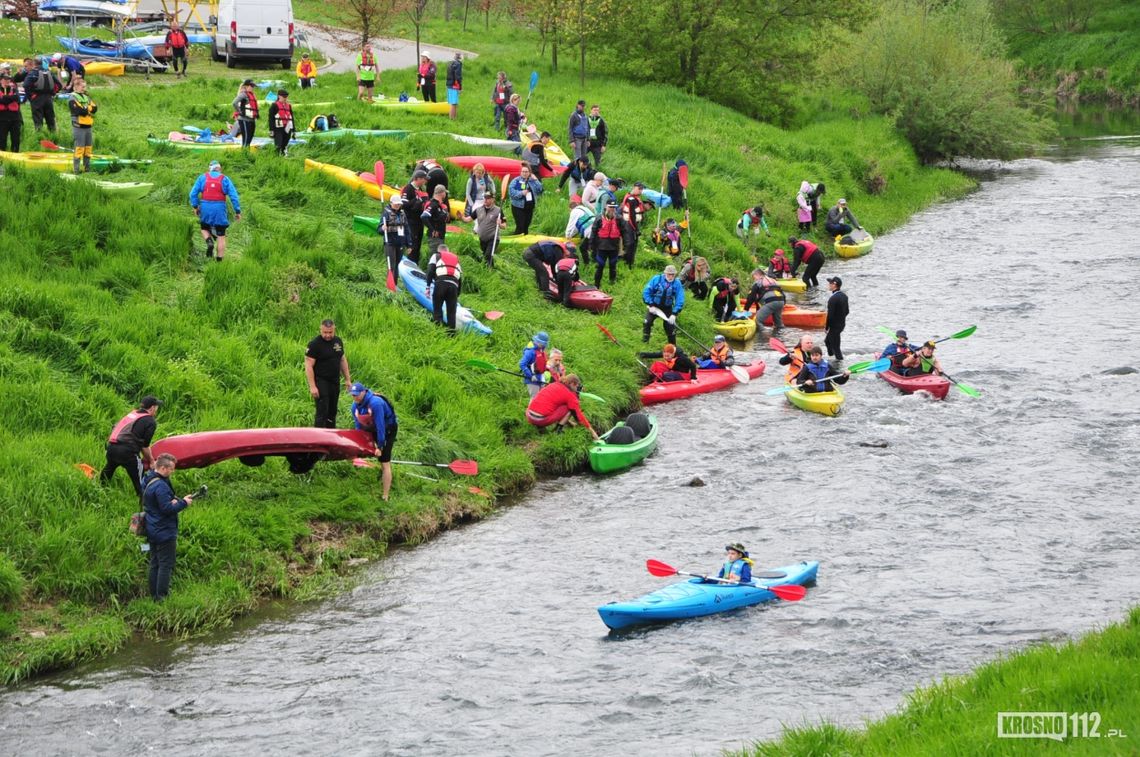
<point>949,533</point>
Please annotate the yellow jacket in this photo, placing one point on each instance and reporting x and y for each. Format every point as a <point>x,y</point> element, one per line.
<point>311,75</point>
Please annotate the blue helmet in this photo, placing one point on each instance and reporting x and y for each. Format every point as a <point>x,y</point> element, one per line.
<point>542,339</point>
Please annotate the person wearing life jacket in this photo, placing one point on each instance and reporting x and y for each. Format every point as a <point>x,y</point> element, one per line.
<point>425,82</point>
<point>840,220</point>
<point>671,364</point>
<point>605,238</point>
<point>40,88</point>
<point>897,351</point>
<point>752,220</point>
<point>513,119</point>
<point>500,95</point>
<point>542,257</point>
<point>246,112</point>
<point>208,198</point>
<point>581,221</point>
<point>695,274</point>
<point>434,217</point>
<point>83,110</point>
<point>555,368</point>
<point>524,191</point>
<point>724,300</point>
<point>797,357</point>
<point>395,231</point>
<point>669,239</point>
<point>922,362</point>
<point>737,567</point>
<point>366,72</point>
<point>810,256</point>
<point>281,122</point>
<point>415,198</point>
<point>479,184</point>
<point>607,194</point>
<point>599,134</point>
<point>178,43</point>
<point>578,174</point>
<point>673,185</point>
<point>489,222</point>
<point>374,413</point>
<point>778,265</point>
<point>306,72</point>
<point>633,211</point>
<point>444,271</point>
<point>768,297</point>
<point>535,154</point>
<point>533,363</point>
<point>558,405</point>
<point>664,297</point>
<point>11,121</point>
<point>454,84</point>
<point>720,356</point>
<point>566,273</point>
<point>816,375</point>
<point>128,445</point>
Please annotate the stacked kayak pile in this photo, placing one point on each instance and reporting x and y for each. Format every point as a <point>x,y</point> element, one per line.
<point>500,166</point>
<point>625,445</point>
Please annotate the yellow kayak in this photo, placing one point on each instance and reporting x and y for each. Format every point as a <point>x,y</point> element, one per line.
<point>104,68</point>
<point>438,109</point>
<point>61,161</point>
<point>740,330</point>
<point>555,154</point>
<point>824,403</point>
<point>364,182</point>
<point>863,242</point>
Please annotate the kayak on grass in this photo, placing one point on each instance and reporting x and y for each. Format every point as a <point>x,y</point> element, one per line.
<point>98,48</point>
<point>437,109</point>
<point>104,68</point>
<point>582,295</point>
<point>498,144</point>
<point>625,445</point>
<point>739,330</point>
<point>498,166</point>
<point>694,598</point>
<point>824,403</point>
<point>341,132</point>
<point>936,386</point>
<point>366,182</point>
<point>126,190</point>
<point>554,154</point>
<point>709,380</point>
<point>857,243</point>
<point>368,225</point>
<point>415,281</point>
<point>61,161</point>
<point>302,446</point>
<point>190,142</point>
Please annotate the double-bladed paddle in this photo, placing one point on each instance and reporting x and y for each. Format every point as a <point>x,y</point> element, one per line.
<point>613,339</point>
<point>877,366</point>
<point>458,467</point>
<point>737,372</point>
<point>789,592</point>
<point>969,391</point>
<point>483,365</point>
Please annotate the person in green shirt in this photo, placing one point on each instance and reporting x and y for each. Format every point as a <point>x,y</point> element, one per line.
<point>366,72</point>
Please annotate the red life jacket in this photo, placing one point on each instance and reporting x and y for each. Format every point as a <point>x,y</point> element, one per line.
<point>751,213</point>
<point>367,61</point>
<point>566,264</point>
<point>539,361</point>
<point>284,118</point>
<point>13,106</point>
<point>448,265</point>
<point>176,38</point>
<point>634,209</point>
<point>126,422</point>
<point>307,68</point>
<point>364,419</point>
<point>213,191</point>
<point>780,264</point>
<point>809,249</point>
<point>609,229</point>
<point>249,109</point>
<point>501,93</point>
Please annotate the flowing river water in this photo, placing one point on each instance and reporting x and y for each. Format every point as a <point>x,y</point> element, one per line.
<point>949,533</point>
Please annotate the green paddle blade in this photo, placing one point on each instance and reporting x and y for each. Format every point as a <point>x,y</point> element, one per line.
<point>964,332</point>
<point>968,390</point>
<point>860,367</point>
<point>482,365</point>
<point>593,397</point>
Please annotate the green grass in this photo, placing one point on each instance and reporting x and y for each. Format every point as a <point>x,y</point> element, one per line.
<point>1097,673</point>
<point>105,301</point>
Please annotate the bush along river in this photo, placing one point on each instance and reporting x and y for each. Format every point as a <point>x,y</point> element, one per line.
<point>949,532</point>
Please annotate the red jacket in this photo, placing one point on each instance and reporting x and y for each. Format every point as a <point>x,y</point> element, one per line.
<point>556,395</point>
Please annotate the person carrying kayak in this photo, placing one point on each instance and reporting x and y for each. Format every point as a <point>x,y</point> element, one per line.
<point>425,83</point>
<point>721,355</point>
<point>897,352</point>
<point>558,404</point>
<point>306,72</point>
<point>812,376</point>
<point>778,265</point>
<point>581,221</point>
<point>605,242</point>
<point>695,275</point>
<point>663,294</point>
<point>82,109</point>
<point>444,271</point>
<point>524,191</point>
<point>533,362</point>
<point>578,174</point>
<point>414,201</point>
<point>396,232</point>
<point>671,364</point>
<point>673,185</point>
<point>489,222</point>
<point>434,218</point>
<point>540,255</point>
<point>128,445</point>
<point>208,198</point>
<point>374,413</point>
<point>922,362</point>
<point>246,112</point>
<point>632,211</point>
<point>724,301</point>
<point>281,122</point>
<point>325,364</point>
<point>797,357</point>
<point>840,220</point>
<point>810,256</point>
<point>566,273</point>
<point>766,295</point>
<point>752,220</point>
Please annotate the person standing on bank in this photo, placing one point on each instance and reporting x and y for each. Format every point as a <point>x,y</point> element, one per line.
<point>375,414</point>
<point>434,218</point>
<point>208,198</point>
<point>366,71</point>
<point>500,96</point>
<point>396,232</point>
<point>82,109</point>
<point>444,271</point>
<point>599,134</point>
<point>245,109</point>
<point>426,81</point>
<point>281,122</point>
<point>40,86</point>
<point>524,191</point>
<point>11,121</point>
<point>178,43</point>
<point>128,446</point>
<point>454,84</point>
<point>325,364</point>
<point>579,130</point>
<point>836,317</point>
<point>489,221</point>
<point>665,294</point>
<point>162,509</point>
<point>414,201</point>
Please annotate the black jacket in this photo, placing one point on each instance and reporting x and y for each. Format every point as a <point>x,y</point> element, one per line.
<point>836,311</point>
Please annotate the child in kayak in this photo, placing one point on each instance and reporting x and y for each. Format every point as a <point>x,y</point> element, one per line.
<point>721,355</point>
<point>737,566</point>
<point>811,376</point>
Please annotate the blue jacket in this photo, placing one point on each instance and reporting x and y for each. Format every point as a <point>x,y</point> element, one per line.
<point>518,188</point>
<point>549,252</point>
<point>162,509</point>
<point>374,414</point>
<point>526,365</point>
<point>892,350</point>
<point>664,294</point>
<point>213,212</point>
<point>740,567</point>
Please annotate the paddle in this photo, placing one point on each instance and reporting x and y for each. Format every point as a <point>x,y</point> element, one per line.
<point>959,335</point>
<point>964,388</point>
<point>613,339</point>
<point>533,84</point>
<point>877,366</point>
<point>737,372</point>
<point>47,144</point>
<point>493,315</point>
<point>378,175</point>
<point>664,172</point>
<point>495,241</point>
<point>485,366</point>
<point>458,467</point>
<point>967,390</point>
<point>789,592</point>
<point>683,177</point>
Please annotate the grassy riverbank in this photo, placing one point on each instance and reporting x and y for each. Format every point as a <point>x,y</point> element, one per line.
<point>1098,673</point>
<point>106,301</point>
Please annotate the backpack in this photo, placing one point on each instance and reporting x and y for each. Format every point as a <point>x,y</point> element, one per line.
<point>44,82</point>
<point>138,525</point>
<point>334,122</point>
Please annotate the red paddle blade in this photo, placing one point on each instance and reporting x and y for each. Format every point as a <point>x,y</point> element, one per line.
<point>660,569</point>
<point>464,468</point>
<point>87,469</point>
<point>47,144</point>
<point>777,345</point>
<point>378,173</point>
<point>360,462</point>
<point>789,592</point>
<point>683,176</point>
<point>391,281</point>
<point>493,315</point>
<point>609,336</point>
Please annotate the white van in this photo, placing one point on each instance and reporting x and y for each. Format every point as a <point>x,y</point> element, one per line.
<point>259,30</point>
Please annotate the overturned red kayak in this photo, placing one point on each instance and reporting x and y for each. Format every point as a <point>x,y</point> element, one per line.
<point>707,381</point>
<point>936,386</point>
<point>498,165</point>
<point>584,296</point>
<point>302,446</point>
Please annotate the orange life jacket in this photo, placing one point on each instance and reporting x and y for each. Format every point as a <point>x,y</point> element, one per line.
<point>720,352</point>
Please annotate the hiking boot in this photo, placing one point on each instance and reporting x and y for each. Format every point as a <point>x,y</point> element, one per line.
<point>210,248</point>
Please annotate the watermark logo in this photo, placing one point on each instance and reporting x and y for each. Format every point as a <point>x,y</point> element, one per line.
<point>1057,726</point>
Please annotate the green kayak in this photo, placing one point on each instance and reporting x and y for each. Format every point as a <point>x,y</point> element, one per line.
<point>127,190</point>
<point>625,445</point>
<point>334,133</point>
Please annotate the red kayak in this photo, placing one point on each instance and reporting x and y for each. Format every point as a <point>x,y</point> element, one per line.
<point>936,386</point>
<point>303,446</point>
<point>498,165</point>
<point>584,296</point>
<point>707,381</point>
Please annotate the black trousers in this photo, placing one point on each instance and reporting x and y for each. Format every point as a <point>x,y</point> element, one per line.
<point>522,218</point>
<point>610,257</point>
<point>445,294</point>
<point>831,341</point>
<point>487,248</point>
<point>700,289</point>
<point>417,240</point>
<point>328,392</point>
<point>245,129</point>
<point>10,130</point>
<point>631,246</point>
<point>162,555</point>
<point>281,140</point>
<point>394,253</point>
<point>811,270</point>
<point>647,327</point>
<point>119,456</point>
<point>43,111</point>
<point>541,272</point>
<point>178,54</point>
<point>428,91</point>
<point>724,308</point>
<point>565,281</point>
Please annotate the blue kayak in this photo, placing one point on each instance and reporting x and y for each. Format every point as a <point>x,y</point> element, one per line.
<point>415,281</point>
<point>695,598</point>
<point>659,200</point>
<point>97,48</point>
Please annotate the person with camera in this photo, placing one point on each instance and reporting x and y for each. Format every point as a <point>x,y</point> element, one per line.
<point>162,508</point>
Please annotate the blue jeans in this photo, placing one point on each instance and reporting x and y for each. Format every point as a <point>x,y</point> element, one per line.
<point>161,567</point>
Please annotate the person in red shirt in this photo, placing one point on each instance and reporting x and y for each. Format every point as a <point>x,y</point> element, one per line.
<point>558,405</point>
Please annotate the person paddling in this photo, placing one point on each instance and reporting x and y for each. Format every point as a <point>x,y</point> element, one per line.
<point>558,405</point>
<point>812,376</point>
<point>671,364</point>
<point>737,566</point>
<point>533,362</point>
<point>797,357</point>
<point>922,362</point>
<point>897,351</point>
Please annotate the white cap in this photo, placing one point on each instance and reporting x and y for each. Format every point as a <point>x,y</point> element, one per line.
<point>425,54</point>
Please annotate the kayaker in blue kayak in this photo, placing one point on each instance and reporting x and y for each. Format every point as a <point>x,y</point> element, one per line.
<point>811,376</point>
<point>533,362</point>
<point>737,566</point>
<point>208,198</point>
<point>721,355</point>
<point>897,351</point>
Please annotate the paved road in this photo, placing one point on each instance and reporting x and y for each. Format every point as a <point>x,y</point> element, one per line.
<point>339,46</point>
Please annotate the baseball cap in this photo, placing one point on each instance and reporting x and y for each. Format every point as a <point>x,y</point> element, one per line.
<point>357,388</point>
<point>671,269</point>
<point>150,401</point>
<point>541,339</point>
<point>835,280</point>
<point>247,83</point>
<point>719,338</point>
<point>842,201</point>
<point>901,333</point>
<point>397,199</point>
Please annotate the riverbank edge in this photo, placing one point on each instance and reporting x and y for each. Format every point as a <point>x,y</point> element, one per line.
<point>1095,673</point>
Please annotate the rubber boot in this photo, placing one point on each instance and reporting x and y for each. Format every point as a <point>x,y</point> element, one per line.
<point>86,164</point>
<point>75,166</point>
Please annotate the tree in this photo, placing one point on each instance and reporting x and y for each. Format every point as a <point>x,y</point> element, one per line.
<point>589,23</point>
<point>29,10</point>
<point>366,16</point>
<point>1046,16</point>
<point>416,10</point>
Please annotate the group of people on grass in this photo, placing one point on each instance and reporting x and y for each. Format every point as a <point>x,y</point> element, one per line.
<point>37,85</point>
